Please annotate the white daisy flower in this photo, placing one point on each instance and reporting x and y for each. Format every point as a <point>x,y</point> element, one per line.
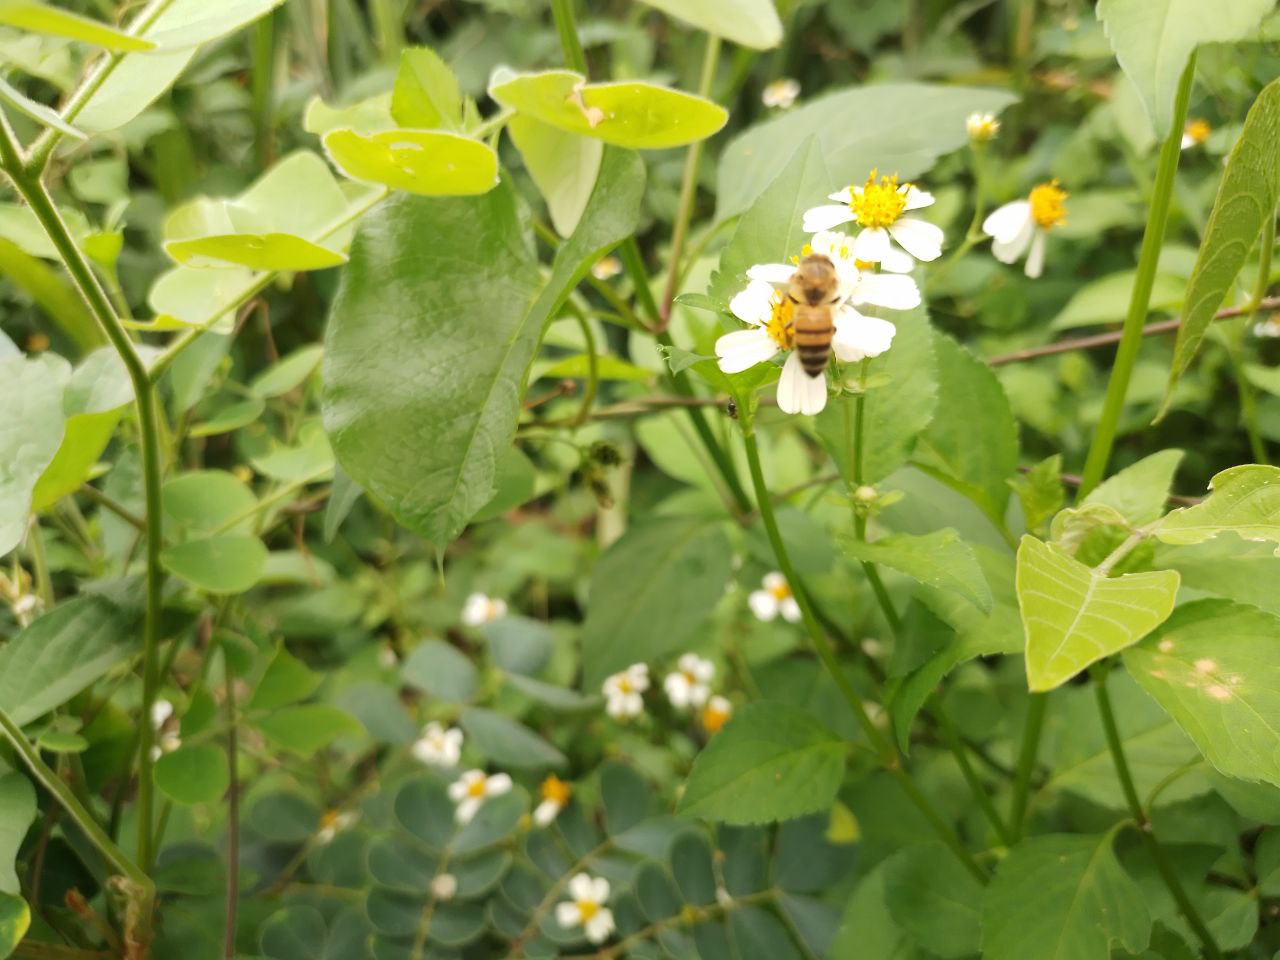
<point>878,207</point>
<point>716,714</point>
<point>438,747</point>
<point>688,685</point>
<point>1195,133</point>
<point>622,692</point>
<point>982,126</point>
<point>1021,227</point>
<point>776,598</point>
<point>781,93</point>
<point>587,908</point>
<point>480,610</point>
<point>332,823</point>
<point>555,794</point>
<point>444,886</point>
<point>472,789</point>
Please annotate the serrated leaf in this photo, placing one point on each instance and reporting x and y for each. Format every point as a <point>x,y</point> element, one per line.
<point>752,23</point>
<point>1139,492</point>
<point>1062,897</point>
<point>426,93</point>
<point>940,559</point>
<point>1245,500</point>
<point>424,368</point>
<point>770,762</point>
<point>193,774</point>
<point>1247,196</point>
<point>1153,40</point>
<point>1214,669</point>
<point>628,113</point>
<point>1074,616</point>
<point>650,593</point>
<point>429,163</point>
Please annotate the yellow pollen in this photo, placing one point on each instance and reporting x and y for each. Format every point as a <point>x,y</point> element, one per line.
<point>555,790</point>
<point>713,719</point>
<point>1047,207</point>
<point>863,264</point>
<point>587,909</point>
<point>624,685</point>
<point>1198,130</point>
<point>781,591</point>
<point>879,204</point>
<point>329,818</point>
<point>779,326</point>
<point>477,788</point>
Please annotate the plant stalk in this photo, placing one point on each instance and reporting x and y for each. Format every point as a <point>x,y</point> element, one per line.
<point>1032,728</point>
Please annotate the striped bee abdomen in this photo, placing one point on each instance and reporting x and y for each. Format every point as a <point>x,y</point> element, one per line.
<point>813,329</point>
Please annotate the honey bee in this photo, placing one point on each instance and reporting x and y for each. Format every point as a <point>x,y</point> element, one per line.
<point>814,291</point>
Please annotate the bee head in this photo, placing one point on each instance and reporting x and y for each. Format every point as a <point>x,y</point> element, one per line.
<point>814,281</point>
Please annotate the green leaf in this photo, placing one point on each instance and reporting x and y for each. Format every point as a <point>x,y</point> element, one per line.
<point>228,417</point>
<point>1106,299</point>
<point>1153,39</point>
<point>1139,492</point>
<point>305,729</point>
<point>299,932</point>
<point>430,163</point>
<point>36,111</point>
<point>63,652</point>
<point>894,411</point>
<point>577,367</point>
<point>770,762</point>
<point>190,23</point>
<point>901,128</point>
<point>1247,196</point>
<point>286,680</point>
<point>17,811</point>
<point>51,293</point>
<point>1245,500</point>
<point>935,899</point>
<point>288,372</point>
<point>204,500</point>
<point>1074,616</point>
<point>650,593</point>
<point>86,437</point>
<point>940,559</point>
<point>563,166</point>
<point>426,94</point>
<point>195,774</point>
<point>1213,667</point>
<point>640,116</point>
<point>508,743</point>
<point>15,918</point>
<point>223,564</point>
<point>440,670</point>
<point>258,251</point>
<point>30,434</point>
<point>1041,492</point>
<point>978,463</point>
<point>752,23</point>
<point>1062,897</point>
<point>419,401</point>
<point>43,18</point>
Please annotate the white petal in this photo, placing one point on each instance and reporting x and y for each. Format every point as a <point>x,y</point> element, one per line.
<point>779,273</point>
<point>600,927</point>
<point>545,812</point>
<point>791,610</point>
<point>743,349</point>
<point>773,580</point>
<point>798,392</point>
<point>1187,141</point>
<point>763,604</point>
<point>887,290</point>
<point>467,809</point>
<point>754,304</point>
<point>1007,251</point>
<point>896,261</point>
<point>580,887</point>
<point>616,705</point>
<point>1005,223</point>
<point>698,694</point>
<point>475,610</point>
<point>858,337</point>
<point>1035,259</point>
<point>704,670</point>
<point>871,244</point>
<point>844,196</point>
<point>632,705</point>
<point>599,890</point>
<point>826,217</point>
<point>921,239</point>
<point>568,915</point>
<point>677,688</point>
<point>917,198</point>
<point>497,785</point>
<point>638,674</point>
<point>688,662</point>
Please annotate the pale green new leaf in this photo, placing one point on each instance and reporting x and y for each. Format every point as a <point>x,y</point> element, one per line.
<point>190,23</point>
<point>30,434</point>
<point>771,762</point>
<point>1247,196</point>
<point>640,116</point>
<point>1062,897</point>
<point>48,19</point>
<point>258,251</point>
<point>939,559</point>
<point>1214,668</point>
<point>1139,492</point>
<point>1040,491</point>
<point>1153,39</point>
<point>424,368</point>
<point>1074,616</point>
<point>563,166</point>
<point>288,373</point>
<point>752,23</point>
<point>426,94</point>
<point>17,810</point>
<point>1245,500</point>
<point>15,918</point>
<point>651,592</point>
<point>431,163</point>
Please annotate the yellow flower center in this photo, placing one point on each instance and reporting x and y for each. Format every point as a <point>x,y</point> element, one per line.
<point>329,819</point>
<point>713,719</point>
<point>880,204</point>
<point>779,326</point>
<point>587,909</point>
<point>1047,204</point>
<point>477,788</point>
<point>1198,130</point>
<point>781,591</point>
<point>555,790</point>
<point>689,677</point>
<point>624,685</point>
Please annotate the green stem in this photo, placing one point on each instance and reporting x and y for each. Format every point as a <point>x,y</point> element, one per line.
<point>262,85</point>
<point>593,366</point>
<point>1032,727</point>
<point>979,790</point>
<point>32,189</point>
<point>40,563</point>
<point>1104,436</point>
<point>1114,744</point>
<point>883,746</point>
<point>688,185</point>
<point>574,58</point>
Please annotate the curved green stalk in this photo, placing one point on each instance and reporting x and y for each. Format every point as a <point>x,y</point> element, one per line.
<point>566,28</point>
<point>1104,436</point>
<point>1032,727</point>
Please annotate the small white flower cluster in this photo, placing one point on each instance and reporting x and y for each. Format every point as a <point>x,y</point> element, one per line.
<point>438,746</point>
<point>333,822</point>
<point>774,599</point>
<point>472,789</point>
<point>688,687</point>
<point>587,908</point>
<point>167,740</point>
<point>480,609</point>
